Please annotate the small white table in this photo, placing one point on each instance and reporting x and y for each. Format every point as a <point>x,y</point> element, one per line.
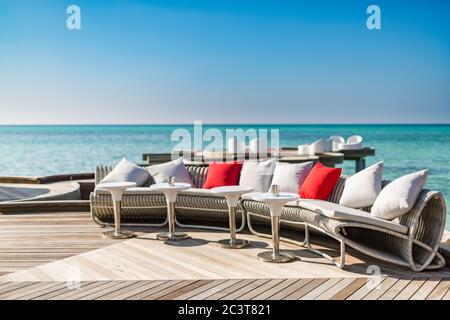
<point>232,195</point>
<point>116,189</point>
<point>171,192</point>
<point>276,204</point>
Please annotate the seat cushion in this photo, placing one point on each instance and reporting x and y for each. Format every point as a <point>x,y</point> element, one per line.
<point>338,212</point>
<point>320,182</point>
<point>199,192</point>
<point>222,174</point>
<point>126,171</point>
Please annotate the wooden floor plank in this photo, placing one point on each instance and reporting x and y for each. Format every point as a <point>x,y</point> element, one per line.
<point>320,289</point>
<point>395,289</point>
<point>72,292</point>
<point>168,290</point>
<point>378,291</point>
<point>152,290</point>
<point>37,287</point>
<point>226,291</point>
<point>289,290</point>
<point>446,296</point>
<point>261,289</point>
<point>252,286</point>
<point>100,293</point>
<point>112,295</point>
<point>331,292</point>
<point>275,289</point>
<point>13,286</point>
<point>189,288</point>
<point>220,287</point>
<point>146,285</point>
<point>410,289</point>
<point>440,290</point>
<point>350,289</point>
<point>42,294</point>
<point>209,285</point>
<point>305,289</point>
<point>426,289</point>
<point>286,284</point>
<point>367,289</point>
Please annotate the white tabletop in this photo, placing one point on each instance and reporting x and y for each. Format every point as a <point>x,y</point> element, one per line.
<point>232,190</point>
<point>165,186</point>
<point>232,193</point>
<point>115,185</point>
<point>115,188</point>
<point>275,203</point>
<point>170,191</point>
<point>269,197</point>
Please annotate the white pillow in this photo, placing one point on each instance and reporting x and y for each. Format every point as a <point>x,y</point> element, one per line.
<point>362,189</point>
<point>175,168</point>
<point>257,175</point>
<point>290,176</point>
<point>125,171</point>
<point>399,196</point>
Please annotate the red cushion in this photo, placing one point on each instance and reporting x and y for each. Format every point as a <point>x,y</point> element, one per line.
<point>320,182</point>
<point>222,174</point>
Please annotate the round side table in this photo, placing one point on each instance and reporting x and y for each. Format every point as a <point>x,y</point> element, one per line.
<point>116,189</point>
<point>171,192</point>
<point>275,204</point>
<point>232,195</point>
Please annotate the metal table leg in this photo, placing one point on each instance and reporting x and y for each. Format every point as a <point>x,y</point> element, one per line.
<point>233,243</point>
<point>117,233</point>
<point>172,234</point>
<point>276,255</point>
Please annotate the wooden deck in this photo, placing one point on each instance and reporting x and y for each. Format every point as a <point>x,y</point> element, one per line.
<point>250,289</point>
<point>64,256</point>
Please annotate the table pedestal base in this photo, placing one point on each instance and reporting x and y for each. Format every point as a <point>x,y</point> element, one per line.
<point>282,256</point>
<point>166,236</point>
<point>118,235</point>
<point>233,244</point>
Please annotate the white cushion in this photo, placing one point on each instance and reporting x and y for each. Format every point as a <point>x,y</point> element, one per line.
<point>126,171</point>
<point>338,212</point>
<point>257,174</point>
<point>290,176</point>
<point>399,196</point>
<point>362,188</point>
<point>175,168</point>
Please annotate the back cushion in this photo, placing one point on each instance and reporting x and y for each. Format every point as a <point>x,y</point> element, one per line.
<point>126,171</point>
<point>258,174</point>
<point>222,174</point>
<point>320,182</point>
<point>175,168</point>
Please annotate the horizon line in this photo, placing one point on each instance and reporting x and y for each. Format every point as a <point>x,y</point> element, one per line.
<point>225,123</point>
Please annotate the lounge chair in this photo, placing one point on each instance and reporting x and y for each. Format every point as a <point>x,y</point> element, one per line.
<point>411,240</point>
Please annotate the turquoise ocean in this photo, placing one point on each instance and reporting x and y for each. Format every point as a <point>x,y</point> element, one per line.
<point>47,150</point>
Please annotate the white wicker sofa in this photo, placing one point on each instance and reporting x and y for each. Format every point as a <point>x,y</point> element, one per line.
<point>411,240</point>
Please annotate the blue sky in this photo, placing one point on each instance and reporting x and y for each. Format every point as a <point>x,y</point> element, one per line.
<point>247,61</point>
